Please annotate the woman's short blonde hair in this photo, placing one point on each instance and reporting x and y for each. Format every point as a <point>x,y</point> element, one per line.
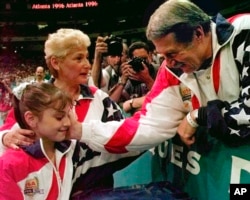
<point>59,44</point>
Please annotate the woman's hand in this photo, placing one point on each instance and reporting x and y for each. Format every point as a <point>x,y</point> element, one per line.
<point>18,137</point>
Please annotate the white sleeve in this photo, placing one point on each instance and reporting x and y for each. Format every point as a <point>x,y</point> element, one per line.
<point>106,77</point>
<point>157,122</point>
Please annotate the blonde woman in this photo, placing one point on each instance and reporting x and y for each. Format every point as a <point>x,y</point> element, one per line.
<point>66,55</point>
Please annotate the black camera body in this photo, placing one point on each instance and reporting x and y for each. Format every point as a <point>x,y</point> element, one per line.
<point>136,63</point>
<point>115,46</point>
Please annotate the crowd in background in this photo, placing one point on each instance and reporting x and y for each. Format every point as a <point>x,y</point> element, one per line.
<point>16,69</point>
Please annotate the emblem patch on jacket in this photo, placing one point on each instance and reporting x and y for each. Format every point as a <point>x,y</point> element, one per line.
<point>32,187</point>
<point>186,95</point>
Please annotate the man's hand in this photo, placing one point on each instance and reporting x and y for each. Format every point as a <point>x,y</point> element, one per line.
<point>125,70</point>
<point>142,76</point>
<point>75,130</point>
<point>186,132</point>
<point>100,47</point>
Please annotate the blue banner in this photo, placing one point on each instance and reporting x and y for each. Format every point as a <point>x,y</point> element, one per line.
<point>205,170</point>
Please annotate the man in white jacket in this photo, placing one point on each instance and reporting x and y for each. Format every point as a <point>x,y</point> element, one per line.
<point>192,86</point>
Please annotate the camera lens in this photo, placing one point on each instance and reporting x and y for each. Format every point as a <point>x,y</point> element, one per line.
<point>136,64</point>
<point>115,46</point>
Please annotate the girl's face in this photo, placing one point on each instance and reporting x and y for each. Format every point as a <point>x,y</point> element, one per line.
<point>74,68</point>
<point>53,124</point>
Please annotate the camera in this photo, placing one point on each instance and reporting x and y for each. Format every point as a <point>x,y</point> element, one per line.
<point>136,63</point>
<point>115,46</point>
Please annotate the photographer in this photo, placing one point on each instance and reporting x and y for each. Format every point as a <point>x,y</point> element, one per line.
<point>114,74</point>
<point>141,77</point>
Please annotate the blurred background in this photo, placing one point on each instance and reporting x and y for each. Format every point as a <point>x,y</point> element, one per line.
<point>24,24</point>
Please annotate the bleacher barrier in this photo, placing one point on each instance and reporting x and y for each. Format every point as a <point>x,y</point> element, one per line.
<point>205,170</point>
<point>153,191</point>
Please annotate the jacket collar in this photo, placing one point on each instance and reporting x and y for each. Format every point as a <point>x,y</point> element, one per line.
<point>86,92</point>
<point>223,28</point>
<point>36,151</point>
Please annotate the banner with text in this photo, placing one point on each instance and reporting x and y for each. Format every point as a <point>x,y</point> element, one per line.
<point>205,170</point>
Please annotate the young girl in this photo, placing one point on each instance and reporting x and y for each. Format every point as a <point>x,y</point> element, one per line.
<point>66,54</point>
<point>42,170</point>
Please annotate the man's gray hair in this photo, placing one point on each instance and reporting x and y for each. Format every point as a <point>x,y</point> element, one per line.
<point>171,13</point>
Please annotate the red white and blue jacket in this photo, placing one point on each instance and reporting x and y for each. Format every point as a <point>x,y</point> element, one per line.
<point>29,174</point>
<point>220,91</point>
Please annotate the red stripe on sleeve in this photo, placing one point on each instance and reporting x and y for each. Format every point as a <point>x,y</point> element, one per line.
<point>123,135</point>
<point>231,19</point>
<point>126,132</point>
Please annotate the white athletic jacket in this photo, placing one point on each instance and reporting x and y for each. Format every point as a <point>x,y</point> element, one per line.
<point>220,90</point>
